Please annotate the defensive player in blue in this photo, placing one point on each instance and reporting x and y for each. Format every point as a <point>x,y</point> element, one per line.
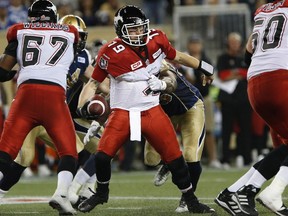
<point>185,108</point>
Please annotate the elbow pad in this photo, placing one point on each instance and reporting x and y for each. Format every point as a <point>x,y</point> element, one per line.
<point>248,57</point>
<point>6,75</point>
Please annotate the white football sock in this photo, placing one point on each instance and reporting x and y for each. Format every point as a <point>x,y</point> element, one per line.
<point>280,181</point>
<point>242,180</point>
<point>257,179</point>
<point>64,181</point>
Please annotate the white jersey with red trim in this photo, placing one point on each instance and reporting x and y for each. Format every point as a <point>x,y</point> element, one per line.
<point>129,71</point>
<point>42,47</point>
<point>269,39</point>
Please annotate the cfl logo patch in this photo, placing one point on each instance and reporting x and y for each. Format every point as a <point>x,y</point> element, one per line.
<point>136,65</point>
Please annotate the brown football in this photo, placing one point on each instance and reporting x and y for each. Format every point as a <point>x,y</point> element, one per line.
<point>98,106</point>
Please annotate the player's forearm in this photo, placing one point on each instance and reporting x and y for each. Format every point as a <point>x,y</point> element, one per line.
<point>187,60</point>
<point>7,62</point>
<point>169,77</point>
<point>190,61</point>
<point>87,92</point>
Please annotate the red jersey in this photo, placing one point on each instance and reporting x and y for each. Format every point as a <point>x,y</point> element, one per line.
<point>117,58</point>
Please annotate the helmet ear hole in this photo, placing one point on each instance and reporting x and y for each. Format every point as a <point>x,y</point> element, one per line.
<point>42,11</point>
<point>131,16</point>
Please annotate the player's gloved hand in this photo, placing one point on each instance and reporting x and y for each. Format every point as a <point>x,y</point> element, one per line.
<point>92,131</point>
<point>208,71</point>
<point>82,112</point>
<point>206,68</point>
<point>156,84</point>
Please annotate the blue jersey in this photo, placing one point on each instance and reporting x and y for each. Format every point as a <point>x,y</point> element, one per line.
<point>182,99</point>
<point>74,85</point>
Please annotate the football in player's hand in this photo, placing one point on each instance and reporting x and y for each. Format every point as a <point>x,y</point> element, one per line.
<point>98,106</point>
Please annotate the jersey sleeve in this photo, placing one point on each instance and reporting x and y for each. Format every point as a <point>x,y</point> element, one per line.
<point>11,48</point>
<point>12,33</point>
<point>168,49</point>
<point>100,69</point>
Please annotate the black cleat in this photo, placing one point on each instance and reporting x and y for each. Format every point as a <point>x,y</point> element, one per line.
<point>96,199</point>
<point>80,200</point>
<point>225,201</point>
<point>245,197</point>
<point>194,206</point>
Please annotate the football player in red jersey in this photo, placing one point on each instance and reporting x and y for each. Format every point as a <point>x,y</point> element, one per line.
<point>79,70</point>
<point>133,61</point>
<point>44,51</point>
<point>266,55</point>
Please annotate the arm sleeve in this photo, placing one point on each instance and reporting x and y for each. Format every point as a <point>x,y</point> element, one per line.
<point>11,49</point>
<point>98,75</point>
<point>168,49</point>
<point>11,36</point>
<point>6,75</point>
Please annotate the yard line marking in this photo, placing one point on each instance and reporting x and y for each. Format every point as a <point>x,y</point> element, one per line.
<point>24,200</point>
<point>124,208</point>
<point>45,199</point>
<point>17,213</point>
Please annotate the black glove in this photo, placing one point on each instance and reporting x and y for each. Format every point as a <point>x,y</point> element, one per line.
<point>82,112</point>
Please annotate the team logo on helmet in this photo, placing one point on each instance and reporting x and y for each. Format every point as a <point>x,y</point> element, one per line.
<point>117,19</point>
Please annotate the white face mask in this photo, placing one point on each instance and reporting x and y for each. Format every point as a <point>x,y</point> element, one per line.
<point>136,34</point>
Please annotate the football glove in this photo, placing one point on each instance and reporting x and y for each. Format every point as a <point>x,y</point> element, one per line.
<point>206,68</point>
<point>156,84</point>
<point>92,131</point>
<point>82,112</point>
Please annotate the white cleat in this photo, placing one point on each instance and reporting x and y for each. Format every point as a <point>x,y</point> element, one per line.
<point>62,204</point>
<point>161,176</point>
<point>182,207</point>
<point>73,192</point>
<point>28,173</point>
<point>272,202</point>
<point>73,198</point>
<point>215,164</point>
<point>44,171</point>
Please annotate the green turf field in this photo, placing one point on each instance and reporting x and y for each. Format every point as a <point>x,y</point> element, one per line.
<point>131,193</point>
